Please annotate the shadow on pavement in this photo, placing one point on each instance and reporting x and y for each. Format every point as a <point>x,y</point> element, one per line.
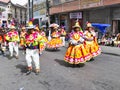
<point>111,54</point>
<point>52,50</point>
<point>22,68</point>
<point>8,56</point>
<point>91,60</point>
<point>63,63</point>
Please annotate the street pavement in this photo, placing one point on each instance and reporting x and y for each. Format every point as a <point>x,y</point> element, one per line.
<point>101,74</point>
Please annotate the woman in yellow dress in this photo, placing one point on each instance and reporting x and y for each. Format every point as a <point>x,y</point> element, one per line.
<point>55,41</point>
<point>76,52</point>
<point>43,42</point>
<point>22,36</point>
<point>91,41</point>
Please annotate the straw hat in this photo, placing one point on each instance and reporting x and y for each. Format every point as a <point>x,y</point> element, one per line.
<point>89,25</point>
<point>30,25</point>
<point>76,25</point>
<point>54,25</point>
<point>12,27</point>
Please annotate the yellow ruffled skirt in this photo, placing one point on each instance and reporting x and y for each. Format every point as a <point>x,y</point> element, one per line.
<point>42,45</point>
<point>93,48</point>
<point>22,41</point>
<point>54,43</point>
<point>77,54</point>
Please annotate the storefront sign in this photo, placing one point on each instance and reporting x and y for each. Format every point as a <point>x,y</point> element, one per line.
<point>37,7</point>
<point>76,15</point>
<point>42,11</point>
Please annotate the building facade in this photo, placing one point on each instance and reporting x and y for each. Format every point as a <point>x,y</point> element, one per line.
<point>66,12</point>
<point>39,12</point>
<point>14,12</point>
<point>3,13</point>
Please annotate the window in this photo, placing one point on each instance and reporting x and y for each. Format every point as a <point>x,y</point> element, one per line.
<point>56,2</point>
<point>68,0</point>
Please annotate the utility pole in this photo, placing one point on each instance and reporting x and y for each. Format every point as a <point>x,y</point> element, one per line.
<point>48,11</point>
<point>32,9</point>
<point>30,6</point>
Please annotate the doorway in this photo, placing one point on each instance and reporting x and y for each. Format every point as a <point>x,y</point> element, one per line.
<point>116,26</point>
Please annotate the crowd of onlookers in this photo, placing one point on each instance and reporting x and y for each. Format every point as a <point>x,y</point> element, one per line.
<point>110,40</point>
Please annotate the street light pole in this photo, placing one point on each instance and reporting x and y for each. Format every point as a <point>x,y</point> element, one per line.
<point>32,9</point>
<point>48,11</point>
<point>30,6</point>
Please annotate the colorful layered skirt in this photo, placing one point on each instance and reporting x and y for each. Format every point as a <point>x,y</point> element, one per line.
<point>42,45</point>
<point>54,43</point>
<point>22,41</point>
<point>93,48</point>
<point>77,54</point>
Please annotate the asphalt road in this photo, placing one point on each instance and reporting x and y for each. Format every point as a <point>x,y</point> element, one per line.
<point>101,74</point>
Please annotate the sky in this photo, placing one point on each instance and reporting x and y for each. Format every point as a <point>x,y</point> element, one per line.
<point>21,2</point>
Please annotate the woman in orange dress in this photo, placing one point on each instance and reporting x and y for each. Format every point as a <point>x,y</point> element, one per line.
<point>55,41</point>
<point>22,36</point>
<point>76,52</point>
<point>91,41</point>
<point>43,42</point>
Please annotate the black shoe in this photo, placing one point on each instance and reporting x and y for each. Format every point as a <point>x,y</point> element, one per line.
<point>28,72</point>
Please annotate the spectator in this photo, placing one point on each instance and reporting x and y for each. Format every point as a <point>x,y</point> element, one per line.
<point>113,39</point>
<point>105,39</point>
<point>117,41</point>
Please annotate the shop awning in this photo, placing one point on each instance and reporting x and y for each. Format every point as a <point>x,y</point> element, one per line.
<point>101,27</point>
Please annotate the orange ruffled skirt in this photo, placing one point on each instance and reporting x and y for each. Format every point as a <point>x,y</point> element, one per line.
<point>42,45</point>
<point>93,48</point>
<point>77,54</point>
<point>54,43</point>
<point>22,41</point>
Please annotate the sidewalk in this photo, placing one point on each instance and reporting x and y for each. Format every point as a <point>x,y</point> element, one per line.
<point>110,50</point>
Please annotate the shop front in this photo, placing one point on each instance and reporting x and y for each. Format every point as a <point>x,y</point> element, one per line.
<point>64,21</point>
<point>75,16</point>
<point>116,20</point>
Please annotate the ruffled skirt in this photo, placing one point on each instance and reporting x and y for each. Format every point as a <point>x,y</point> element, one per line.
<point>54,43</point>
<point>42,45</point>
<point>77,54</point>
<point>93,48</point>
<point>22,41</point>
